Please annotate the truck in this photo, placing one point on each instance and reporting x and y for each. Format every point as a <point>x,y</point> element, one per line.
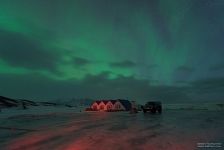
<point>153,107</point>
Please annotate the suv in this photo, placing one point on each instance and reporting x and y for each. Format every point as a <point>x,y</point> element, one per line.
<point>153,107</point>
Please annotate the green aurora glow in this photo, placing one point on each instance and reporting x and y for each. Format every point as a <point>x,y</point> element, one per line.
<point>163,42</point>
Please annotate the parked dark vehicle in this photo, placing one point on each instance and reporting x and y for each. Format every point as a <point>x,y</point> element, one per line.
<point>152,107</point>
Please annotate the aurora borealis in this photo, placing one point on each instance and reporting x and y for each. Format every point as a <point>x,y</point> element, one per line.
<point>139,50</point>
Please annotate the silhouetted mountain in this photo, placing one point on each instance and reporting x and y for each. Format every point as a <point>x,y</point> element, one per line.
<point>28,102</point>
<point>47,103</point>
<point>8,102</point>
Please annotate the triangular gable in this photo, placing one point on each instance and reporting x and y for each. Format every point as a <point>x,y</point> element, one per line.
<point>126,104</point>
<point>98,102</point>
<point>105,101</point>
<point>113,101</point>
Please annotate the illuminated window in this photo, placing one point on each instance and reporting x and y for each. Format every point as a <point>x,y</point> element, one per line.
<point>101,107</point>
<point>109,107</point>
<point>94,107</point>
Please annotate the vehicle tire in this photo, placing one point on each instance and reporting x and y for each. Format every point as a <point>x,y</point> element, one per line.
<point>153,111</point>
<point>160,109</point>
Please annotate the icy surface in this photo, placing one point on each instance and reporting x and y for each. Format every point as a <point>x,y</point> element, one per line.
<point>68,130</point>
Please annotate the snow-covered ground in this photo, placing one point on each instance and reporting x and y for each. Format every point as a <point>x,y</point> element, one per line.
<point>195,106</point>
<point>69,129</point>
<point>38,110</point>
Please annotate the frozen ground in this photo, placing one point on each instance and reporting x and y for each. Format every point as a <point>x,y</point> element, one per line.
<point>173,130</point>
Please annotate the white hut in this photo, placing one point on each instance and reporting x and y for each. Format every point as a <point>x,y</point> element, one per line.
<point>111,105</point>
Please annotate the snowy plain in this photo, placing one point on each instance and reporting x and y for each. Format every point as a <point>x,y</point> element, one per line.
<point>60,128</point>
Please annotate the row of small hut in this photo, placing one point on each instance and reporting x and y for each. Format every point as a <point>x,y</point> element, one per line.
<point>111,105</point>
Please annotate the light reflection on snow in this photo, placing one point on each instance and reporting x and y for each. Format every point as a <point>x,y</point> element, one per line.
<point>118,131</point>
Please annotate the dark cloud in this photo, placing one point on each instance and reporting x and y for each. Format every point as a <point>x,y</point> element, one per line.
<point>22,51</point>
<point>217,67</point>
<point>79,61</point>
<point>182,82</point>
<point>152,66</point>
<point>210,89</point>
<point>123,64</point>
<point>39,87</point>
<point>209,83</point>
<point>36,86</point>
<point>185,69</point>
<point>182,74</point>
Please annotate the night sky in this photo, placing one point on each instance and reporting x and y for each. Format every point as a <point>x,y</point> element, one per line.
<point>170,51</point>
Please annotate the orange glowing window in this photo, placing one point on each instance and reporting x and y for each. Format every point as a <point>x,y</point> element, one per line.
<point>94,107</point>
<point>101,107</point>
<point>109,107</point>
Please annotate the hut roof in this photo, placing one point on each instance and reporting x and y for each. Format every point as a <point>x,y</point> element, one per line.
<point>126,104</point>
